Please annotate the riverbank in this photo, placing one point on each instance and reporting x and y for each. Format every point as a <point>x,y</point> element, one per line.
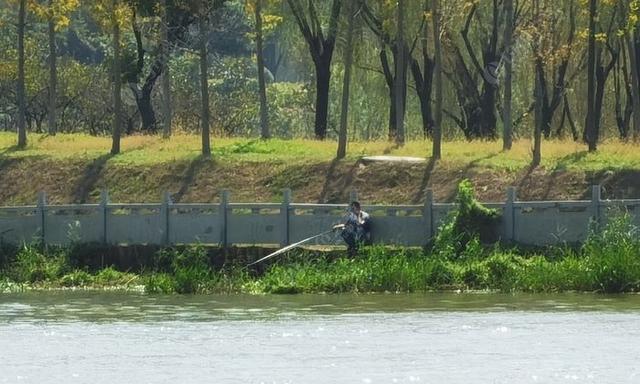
<point>460,257</point>
<point>74,168</point>
<point>609,262</point>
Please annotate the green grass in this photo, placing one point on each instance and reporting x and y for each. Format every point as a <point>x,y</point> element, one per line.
<point>149,150</point>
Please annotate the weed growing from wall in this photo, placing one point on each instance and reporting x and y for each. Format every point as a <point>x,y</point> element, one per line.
<point>469,226</point>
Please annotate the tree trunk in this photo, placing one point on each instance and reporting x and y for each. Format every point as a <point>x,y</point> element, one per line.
<point>143,96</point>
<point>348,58</point>
<point>478,119</point>
<point>590,134</point>
<point>546,111</point>
<point>145,107</point>
<point>488,116</point>
<point>508,74</point>
<point>423,77</point>
<point>204,87</point>
<point>53,76</point>
<point>424,98</point>
<point>538,118</point>
<point>117,83</point>
<point>167,113</point>
<point>400,75</point>
<point>321,47</point>
<point>602,74</point>
<point>264,112</point>
<point>437,128</point>
<point>621,123</point>
<point>323,79</point>
<point>635,85</point>
<point>20,92</point>
<point>389,79</point>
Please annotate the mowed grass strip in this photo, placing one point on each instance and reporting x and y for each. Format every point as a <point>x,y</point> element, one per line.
<point>150,150</point>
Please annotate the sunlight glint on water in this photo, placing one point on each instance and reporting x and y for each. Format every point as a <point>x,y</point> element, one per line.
<point>435,338</point>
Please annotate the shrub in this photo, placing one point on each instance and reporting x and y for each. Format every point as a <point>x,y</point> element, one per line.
<point>475,275</point>
<point>438,273</point>
<point>613,256</point>
<point>503,270</point>
<point>190,269</point>
<point>32,265</point>
<point>469,226</point>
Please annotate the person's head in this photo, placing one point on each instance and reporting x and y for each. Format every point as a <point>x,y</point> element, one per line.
<point>355,206</point>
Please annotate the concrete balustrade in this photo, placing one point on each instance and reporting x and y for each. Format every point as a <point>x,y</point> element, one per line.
<point>228,223</point>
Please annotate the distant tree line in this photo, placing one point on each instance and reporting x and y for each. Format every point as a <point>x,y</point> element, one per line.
<point>346,69</point>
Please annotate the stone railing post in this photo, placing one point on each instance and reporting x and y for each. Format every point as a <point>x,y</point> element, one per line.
<point>427,214</point>
<point>223,212</point>
<point>595,204</point>
<point>42,213</point>
<point>284,212</point>
<point>509,215</point>
<point>166,217</point>
<point>104,209</point>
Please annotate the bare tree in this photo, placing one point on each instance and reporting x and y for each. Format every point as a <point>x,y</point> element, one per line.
<point>321,47</point>
<point>552,96</point>
<point>399,88</point>
<point>264,111</point>
<point>117,81</point>
<point>204,83</point>
<point>166,76</point>
<point>476,82</point>
<point>352,10</point>
<point>400,78</point>
<point>53,76</point>
<point>437,129</point>
<point>635,84</point>
<point>508,72</point>
<point>20,92</point>
<point>590,134</point>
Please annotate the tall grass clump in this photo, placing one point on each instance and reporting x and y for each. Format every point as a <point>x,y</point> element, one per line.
<point>613,256</point>
<point>32,264</point>
<point>188,270</point>
<point>377,270</point>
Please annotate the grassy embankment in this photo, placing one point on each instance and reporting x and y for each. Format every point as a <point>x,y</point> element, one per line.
<point>75,167</point>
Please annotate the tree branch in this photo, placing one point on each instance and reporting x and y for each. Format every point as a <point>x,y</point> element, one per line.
<point>467,43</point>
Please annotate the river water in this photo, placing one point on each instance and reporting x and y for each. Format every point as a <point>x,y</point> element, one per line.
<point>89,337</point>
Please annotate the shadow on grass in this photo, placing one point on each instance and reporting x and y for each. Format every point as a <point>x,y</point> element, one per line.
<point>335,185</point>
<point>391,148</point>
<point>561,166</point>
<point>89,178</point>
<point>428,171</point>
<point>464,173</point>
<point>10,150</point>
<point>189,176</point>
<point>565,161</point>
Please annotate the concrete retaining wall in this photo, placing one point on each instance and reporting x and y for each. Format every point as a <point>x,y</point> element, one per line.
<point>226,223</point>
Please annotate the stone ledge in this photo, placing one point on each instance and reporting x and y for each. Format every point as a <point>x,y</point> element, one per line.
<point>392,159</point>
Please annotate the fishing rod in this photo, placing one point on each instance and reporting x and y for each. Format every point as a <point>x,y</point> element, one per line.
<point>288,247</point>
